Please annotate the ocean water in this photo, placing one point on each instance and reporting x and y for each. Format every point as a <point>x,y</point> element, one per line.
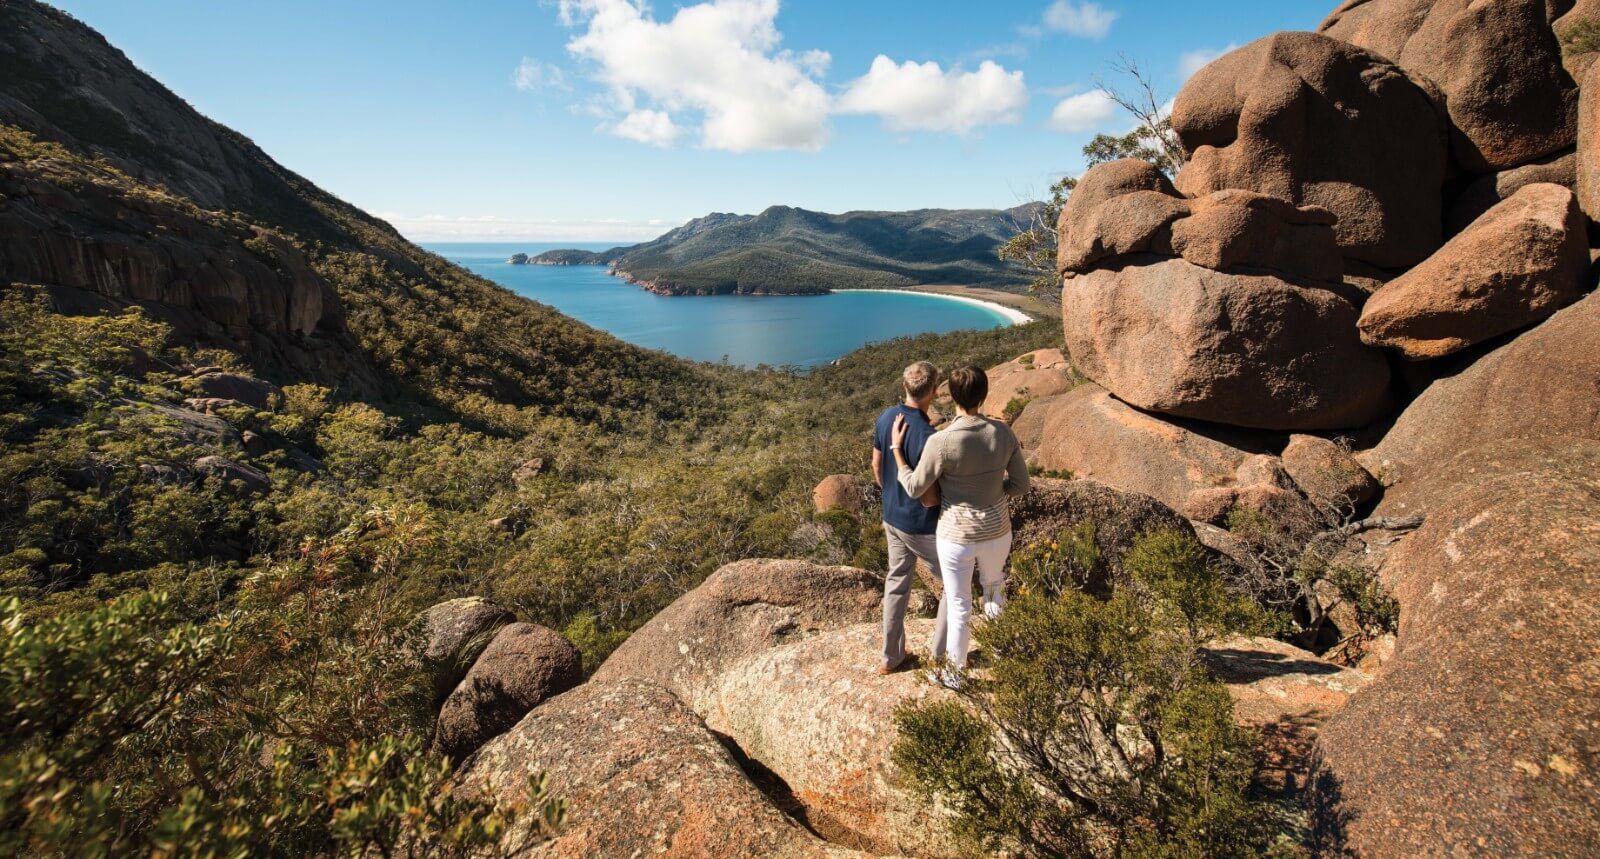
<point>800,331</point>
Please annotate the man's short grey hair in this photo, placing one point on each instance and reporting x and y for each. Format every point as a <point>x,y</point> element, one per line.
<point>920,379</point>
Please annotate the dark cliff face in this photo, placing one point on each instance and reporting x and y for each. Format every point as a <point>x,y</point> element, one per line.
<point>97,240</point>
<point>146,202</point>
<point>115,192</point>
<point>62,81</point>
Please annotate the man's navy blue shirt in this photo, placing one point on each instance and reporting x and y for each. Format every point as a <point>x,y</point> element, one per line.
<point>899,509</point>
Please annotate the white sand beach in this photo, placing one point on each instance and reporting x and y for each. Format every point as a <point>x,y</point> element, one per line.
<point>1013,315</point>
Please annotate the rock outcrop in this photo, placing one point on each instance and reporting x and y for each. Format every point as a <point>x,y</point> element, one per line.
<point>1480,735</point>
<point>453,633</point>
<point>1543,384</point>
<point>815,713</point>
<point>216,280</point>
<point>1588,156</point>
<point>1093,435</point>
<point>524,665</point>
<point>1522,261</point>
<point>778,656</point>
<point>743,608</point>
<point>233,476</point>
<point>1040,373</point>
<point>1497,67</point>
<point>643,776</point>
<point>1299,116</point>
<point>1248,350</point>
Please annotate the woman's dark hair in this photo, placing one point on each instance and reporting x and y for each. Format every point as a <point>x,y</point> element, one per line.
<point>968,387</point>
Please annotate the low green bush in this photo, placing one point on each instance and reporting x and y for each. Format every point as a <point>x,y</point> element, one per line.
<point>1094,730</point>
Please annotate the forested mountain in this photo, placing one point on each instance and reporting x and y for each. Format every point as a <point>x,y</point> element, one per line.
<point>116,192</point>
<point>789,250</point>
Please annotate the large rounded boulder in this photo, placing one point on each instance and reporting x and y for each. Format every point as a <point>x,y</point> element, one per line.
<point>250,391</point>
<point>815,713</point>
<point>839,492</point>
<point>1479,738</point>
<point>1497,66</point>
<point>1588,156</point>
<point>1250,350</point>
<point>1543,384</point>
<point>453,633</point>
<point>1522,261</point>
<point>1091,434</point>
<point>1328,475</point>
<point>1040,373</point>
<point>1319,122</point>
<point>780,658</point>
<point>1576,31</point>
<point>1226,230</point>
<point>642,776</point>
<point>523,666</point>
<point>743,608</point>
<point>1486,192</point>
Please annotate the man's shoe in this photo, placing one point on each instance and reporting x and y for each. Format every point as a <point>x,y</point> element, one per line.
<point>908,661</point>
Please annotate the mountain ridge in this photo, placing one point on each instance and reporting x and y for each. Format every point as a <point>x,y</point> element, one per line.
<point>794,251</point>
<point>236,251</point>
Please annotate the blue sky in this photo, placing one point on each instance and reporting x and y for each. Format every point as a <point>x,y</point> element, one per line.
<point>598,120</point>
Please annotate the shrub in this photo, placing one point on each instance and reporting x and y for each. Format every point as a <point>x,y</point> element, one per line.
<point>1096,732</point>
<point>294,723</point>
<point>1014,407</point>
<point>1580,38</point>
<point>1050,568</point>
<point>1376,610</point>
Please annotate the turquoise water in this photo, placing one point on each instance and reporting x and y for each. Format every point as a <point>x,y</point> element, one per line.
<point>801,331</point>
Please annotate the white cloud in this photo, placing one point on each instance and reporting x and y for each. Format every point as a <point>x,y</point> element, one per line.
<point>532,76</point>
<point>1193,61</point>
<point>1085,19</point>
<point>648,126</point>
<point>1083,113</point>
<point>719,58</point>
<point>914,96</point>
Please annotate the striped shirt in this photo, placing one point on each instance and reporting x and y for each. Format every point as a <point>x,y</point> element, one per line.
<point>978,464</point>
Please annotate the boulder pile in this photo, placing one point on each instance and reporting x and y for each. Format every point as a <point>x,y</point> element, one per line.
<point>488,670</point>
<point>1367,298</point>
<point>1369,292</point>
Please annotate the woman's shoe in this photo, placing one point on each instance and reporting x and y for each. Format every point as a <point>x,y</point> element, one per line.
<point>950,678</point>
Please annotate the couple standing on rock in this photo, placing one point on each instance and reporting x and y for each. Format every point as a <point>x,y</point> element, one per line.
<point>944,501</point>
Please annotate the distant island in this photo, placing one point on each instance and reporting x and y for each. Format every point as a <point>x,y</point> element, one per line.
<point>790,251</point>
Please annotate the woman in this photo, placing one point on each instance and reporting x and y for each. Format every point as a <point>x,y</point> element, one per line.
<point>976,463</point>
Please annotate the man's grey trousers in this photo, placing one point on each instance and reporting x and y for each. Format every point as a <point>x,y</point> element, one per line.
<point>904,550</point>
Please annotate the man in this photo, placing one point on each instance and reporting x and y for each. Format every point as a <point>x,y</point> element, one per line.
<point>908,523</point>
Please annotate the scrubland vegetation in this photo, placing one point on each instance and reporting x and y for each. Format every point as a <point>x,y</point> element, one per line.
<point>188,662</point>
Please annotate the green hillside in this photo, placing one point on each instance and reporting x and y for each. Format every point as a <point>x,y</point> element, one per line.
<point>797,251</point>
